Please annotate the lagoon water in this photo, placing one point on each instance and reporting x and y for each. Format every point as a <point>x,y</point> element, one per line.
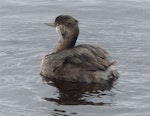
<point>122,27</point>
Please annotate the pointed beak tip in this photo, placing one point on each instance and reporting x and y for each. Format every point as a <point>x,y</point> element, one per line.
<point>50,24</point>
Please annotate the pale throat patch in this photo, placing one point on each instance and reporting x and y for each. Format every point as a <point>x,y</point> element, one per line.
<point>58,29</point>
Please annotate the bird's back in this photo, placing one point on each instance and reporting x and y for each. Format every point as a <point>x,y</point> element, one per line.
<point>83,63</point>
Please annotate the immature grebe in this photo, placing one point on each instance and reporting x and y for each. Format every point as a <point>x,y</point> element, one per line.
<point>82,63</point>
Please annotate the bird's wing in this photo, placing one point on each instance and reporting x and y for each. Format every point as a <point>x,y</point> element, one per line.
<point>87,58</point>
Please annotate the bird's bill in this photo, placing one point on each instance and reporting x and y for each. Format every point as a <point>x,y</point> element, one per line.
<point>50,24</point>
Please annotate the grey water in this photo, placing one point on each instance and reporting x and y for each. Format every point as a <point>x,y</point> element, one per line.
<point>122,27</point>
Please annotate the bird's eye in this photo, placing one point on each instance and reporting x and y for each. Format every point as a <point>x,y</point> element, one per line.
<point>76,21</point>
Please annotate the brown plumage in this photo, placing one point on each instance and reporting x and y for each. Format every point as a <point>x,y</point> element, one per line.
<point>82,63</point>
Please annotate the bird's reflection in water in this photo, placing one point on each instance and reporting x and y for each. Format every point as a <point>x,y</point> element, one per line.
<point>71,93</point>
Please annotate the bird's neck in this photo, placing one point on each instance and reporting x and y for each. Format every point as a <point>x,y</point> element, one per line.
<point>66,43</point>
<point>68,39</point>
